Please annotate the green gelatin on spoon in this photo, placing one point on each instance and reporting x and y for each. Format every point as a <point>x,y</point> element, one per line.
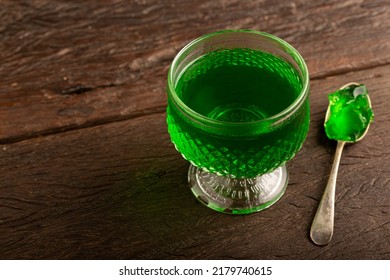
<point>350,113</point>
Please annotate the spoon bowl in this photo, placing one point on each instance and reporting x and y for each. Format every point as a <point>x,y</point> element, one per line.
<point>327,115</point>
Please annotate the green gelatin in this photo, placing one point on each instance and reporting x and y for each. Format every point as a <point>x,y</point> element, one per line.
<point>350,113</point>
<point>238,86</point>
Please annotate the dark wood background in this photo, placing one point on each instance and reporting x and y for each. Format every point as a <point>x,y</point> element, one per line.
<point>87,167</point>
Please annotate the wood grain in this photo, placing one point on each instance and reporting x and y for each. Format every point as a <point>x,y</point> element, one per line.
<point>87,167</point>
<point>66,65</point>
<point>119,191</point>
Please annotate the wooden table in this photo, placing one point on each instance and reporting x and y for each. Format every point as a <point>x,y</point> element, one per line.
<point>87,167</point>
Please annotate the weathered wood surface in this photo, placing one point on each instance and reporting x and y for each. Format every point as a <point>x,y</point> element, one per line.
<point>87,168</point>
<point>79,64</point>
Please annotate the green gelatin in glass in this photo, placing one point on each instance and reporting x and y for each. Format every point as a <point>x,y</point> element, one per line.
<point>239,85</point>
<point>350,113</point>
<point>238,110</point>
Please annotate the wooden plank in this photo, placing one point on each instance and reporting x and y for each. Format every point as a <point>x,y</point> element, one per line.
<point>119,191</point>
<point>66,65</point>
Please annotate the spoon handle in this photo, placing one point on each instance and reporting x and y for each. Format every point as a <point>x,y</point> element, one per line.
<point>322,227</point>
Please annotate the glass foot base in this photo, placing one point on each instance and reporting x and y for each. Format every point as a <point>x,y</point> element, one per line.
<point>237,195</point>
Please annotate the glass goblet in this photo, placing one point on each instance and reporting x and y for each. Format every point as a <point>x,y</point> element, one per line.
<point>238,110</point>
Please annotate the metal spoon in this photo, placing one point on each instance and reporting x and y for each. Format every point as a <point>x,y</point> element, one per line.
<point>321,231</point>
